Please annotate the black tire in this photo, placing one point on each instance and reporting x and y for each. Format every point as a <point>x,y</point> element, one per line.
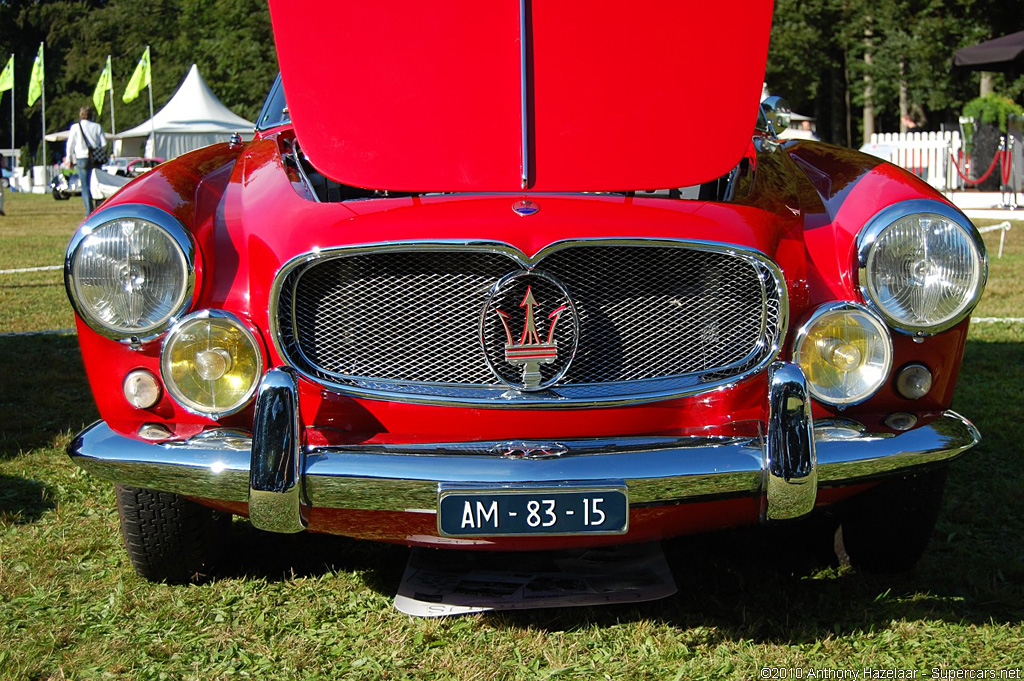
<point>886,530</point>
<point>169,538</point>
<point>59,196</point>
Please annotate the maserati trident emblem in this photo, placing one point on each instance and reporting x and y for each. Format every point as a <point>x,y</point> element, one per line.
<point>530,352</point>
<point>537,357</point>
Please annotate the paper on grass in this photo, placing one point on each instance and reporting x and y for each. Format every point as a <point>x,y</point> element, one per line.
<point>440,582</point>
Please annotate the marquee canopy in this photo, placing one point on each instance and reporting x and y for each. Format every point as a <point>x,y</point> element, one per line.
<point>191,119</point>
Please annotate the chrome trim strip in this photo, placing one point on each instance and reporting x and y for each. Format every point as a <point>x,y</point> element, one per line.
<point>524,94</point>
<point>791,476</point>
<point>174,229</point>
<point>885,217</point>
<point>657,470</point>
<point>277,468</point>
<point>498,396</point>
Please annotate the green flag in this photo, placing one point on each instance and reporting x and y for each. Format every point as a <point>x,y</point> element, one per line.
<point>139,80</point>
<point>105,83</point>
<point>35,81</point>
<point>7,77</point>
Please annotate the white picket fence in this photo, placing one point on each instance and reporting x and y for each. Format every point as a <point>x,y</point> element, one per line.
<point>929,155</point>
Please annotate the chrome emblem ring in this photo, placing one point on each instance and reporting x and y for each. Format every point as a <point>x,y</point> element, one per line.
<point>529,330</point>
<point>525,207</point>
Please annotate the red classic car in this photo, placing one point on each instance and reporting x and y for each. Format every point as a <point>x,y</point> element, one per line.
<point>519,275</point>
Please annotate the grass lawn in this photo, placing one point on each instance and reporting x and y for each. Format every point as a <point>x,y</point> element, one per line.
<point>305,606</point>
<point>35,233</point>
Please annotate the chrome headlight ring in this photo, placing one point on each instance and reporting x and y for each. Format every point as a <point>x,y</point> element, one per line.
<point>175,243</point>
<point>873,237</point>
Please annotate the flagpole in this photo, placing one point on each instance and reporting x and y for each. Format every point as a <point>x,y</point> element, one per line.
<point>153,124</point>
<point>12,108</point>
<point>113,128</point>
<point>46,165</point>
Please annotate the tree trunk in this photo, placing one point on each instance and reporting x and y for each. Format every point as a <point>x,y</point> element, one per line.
<point>869,103</point>
<point>986,83</point>
<point>904,102</point>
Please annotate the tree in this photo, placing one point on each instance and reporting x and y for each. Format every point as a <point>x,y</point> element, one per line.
<point>230,40</point>
<point>831,57</point>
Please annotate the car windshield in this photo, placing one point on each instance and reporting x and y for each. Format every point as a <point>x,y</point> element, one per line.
<point>275,110</point>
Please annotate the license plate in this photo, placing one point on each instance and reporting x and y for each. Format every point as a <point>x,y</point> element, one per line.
<point>491,512</point>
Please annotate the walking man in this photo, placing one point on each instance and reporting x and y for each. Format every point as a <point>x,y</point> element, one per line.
<point>85,139</point>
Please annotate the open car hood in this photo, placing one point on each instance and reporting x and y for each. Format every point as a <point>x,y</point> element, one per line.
<point>606,96</point>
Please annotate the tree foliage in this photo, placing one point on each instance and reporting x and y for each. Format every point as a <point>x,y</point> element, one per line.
<point>817,57</point>
<point>992,110</point>
<point>230,40</point>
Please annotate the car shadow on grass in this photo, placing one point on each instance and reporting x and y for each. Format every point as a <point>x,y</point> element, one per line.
<point>23,501</point>
<point>43,392</point>
<point>274,557</point>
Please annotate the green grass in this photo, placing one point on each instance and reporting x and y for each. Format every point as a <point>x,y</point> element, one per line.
<point>306,606</point>
<point>1003,294</point>
<point>35,233</point>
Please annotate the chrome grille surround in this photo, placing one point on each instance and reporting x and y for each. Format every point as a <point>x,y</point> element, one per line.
<point>435,296</point>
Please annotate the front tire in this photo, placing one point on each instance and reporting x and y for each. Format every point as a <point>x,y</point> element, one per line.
<point>886,530</point>
<point>170,538</point>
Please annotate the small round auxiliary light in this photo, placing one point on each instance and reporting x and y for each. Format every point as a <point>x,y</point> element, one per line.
<point>155,431</point>
<point>914,381</point>
<point>141,389</point>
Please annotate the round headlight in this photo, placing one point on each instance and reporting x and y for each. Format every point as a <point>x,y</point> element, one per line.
<point>922,266</point>
<point>211,363</point>
<point>845,352</point>
<point>129,271</point>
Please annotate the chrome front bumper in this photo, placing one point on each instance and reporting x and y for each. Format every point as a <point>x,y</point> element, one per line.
<point>281,479</point>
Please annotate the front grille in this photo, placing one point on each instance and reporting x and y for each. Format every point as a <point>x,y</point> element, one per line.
<point>654,317</point>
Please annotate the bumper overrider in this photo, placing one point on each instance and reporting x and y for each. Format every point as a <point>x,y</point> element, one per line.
<point>281,479</point>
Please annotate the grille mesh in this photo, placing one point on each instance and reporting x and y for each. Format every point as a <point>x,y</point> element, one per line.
<point>413,317</point>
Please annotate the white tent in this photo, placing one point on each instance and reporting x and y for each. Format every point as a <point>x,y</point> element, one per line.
<point>193,118</point>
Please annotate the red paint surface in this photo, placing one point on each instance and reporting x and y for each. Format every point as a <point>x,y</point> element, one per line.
<point>427,96</point>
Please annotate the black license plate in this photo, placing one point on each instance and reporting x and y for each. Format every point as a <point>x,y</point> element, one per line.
<point>492,512</point>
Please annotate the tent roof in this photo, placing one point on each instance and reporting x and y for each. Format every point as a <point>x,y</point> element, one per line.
<point>1001,54</point>
<point>193,109</point>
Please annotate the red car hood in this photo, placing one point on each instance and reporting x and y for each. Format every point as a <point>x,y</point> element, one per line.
<point>429,96</point>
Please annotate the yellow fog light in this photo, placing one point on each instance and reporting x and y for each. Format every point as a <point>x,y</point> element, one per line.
<point>211,363</point>
<point>845,352</point>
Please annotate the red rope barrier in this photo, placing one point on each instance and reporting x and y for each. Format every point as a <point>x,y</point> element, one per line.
<point>1000,156</point>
